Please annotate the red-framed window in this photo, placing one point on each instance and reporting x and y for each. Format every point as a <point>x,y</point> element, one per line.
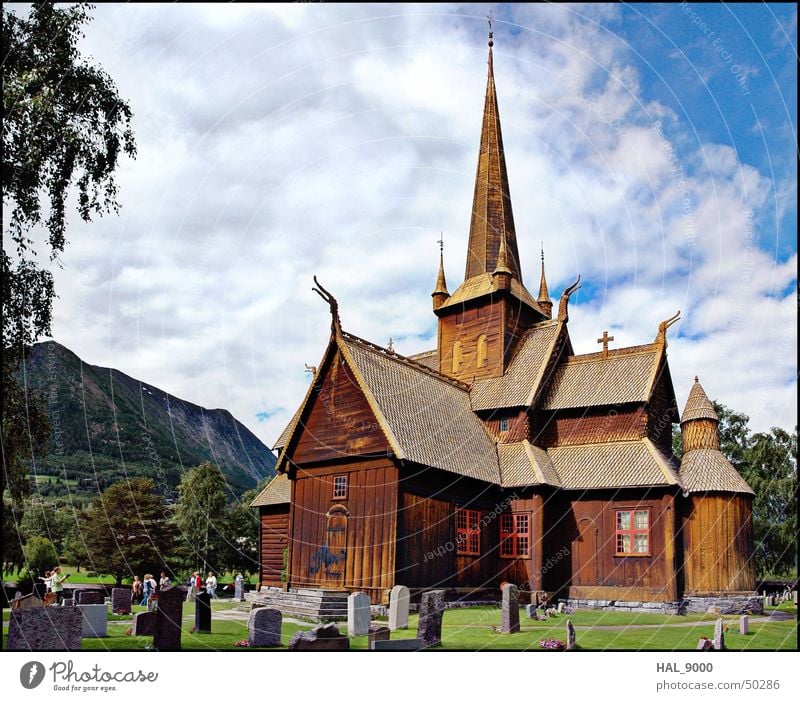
<point>340,487</point>
<point>633,532</point>
<point>468,532</point>
<point>515,535</point>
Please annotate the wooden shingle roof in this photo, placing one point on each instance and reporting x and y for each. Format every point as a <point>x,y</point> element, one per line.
<point>483,284</point>
<point>430,359</point>
<point>636,463</point>
<point>709,471</point>
<point>520,383</point>
<point>698,405</point>
<point>626,375</point>
<point>523,464</point>
<point>278,491</point>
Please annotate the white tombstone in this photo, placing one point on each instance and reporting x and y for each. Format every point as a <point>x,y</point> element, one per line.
<point>358,614</point>
<point>744,624</point>
<point>95,620</point>
<point>560,607</point>
<point>239,588</point>
<point>399,600</point>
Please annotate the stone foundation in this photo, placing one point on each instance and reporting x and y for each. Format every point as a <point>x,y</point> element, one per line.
<point>723,605</point>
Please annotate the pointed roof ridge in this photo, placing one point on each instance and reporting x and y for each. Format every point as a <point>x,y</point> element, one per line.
<point>698,405</point>
<point>502,262</point>
<point>441,283</point>
<point>544,293</point>
<point>492,220</point>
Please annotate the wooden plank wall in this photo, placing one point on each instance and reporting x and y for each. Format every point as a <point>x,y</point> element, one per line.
<point>718,544</point>
<point>340,422</point>
<point>274,540</point>
<point>466,325</point>
<point>661,413</point>
<point>371,522</point>
<point>596,425</point>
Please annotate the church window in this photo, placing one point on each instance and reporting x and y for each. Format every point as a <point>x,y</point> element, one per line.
<point>340,487</point>
<point>457,356</point>
<point>515,535</point>
<point>468,532</point>
<point>482,350</point>
<point>503,424</point>
<point>633,532</point>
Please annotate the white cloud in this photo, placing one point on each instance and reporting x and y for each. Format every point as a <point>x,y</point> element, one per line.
<point>279,142</point>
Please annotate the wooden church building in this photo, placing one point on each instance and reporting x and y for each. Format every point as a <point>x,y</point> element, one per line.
<point>501,455</point>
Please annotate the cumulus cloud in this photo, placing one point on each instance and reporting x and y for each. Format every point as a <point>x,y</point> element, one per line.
<point>278,142</point>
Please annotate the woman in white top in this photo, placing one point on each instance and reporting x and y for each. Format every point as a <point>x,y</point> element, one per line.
<point>211,585</point>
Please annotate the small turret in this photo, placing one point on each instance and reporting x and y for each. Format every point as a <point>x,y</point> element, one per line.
<point>502,273</point>
<point>699,423</point>
<point>440,294</point>
<point>544,301</point>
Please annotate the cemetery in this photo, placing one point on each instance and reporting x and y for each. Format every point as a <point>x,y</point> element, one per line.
<point>432,624</point>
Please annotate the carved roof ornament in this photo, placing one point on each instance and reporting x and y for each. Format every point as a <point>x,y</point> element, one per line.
<point>563,305</point>
<point>336,324</point>
<point>661,337</point>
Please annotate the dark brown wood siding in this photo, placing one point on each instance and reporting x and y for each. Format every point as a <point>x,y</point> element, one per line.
<point>466,326</point>
<point>595,425</point>
<point>717,534</point>
<point>368,563</point>
<point>582,548</point>
<point>340,422</point>
<point>274,540</point>
<point>661,413</point>
<point>526,573</point>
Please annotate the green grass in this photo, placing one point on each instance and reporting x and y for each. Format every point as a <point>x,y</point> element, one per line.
<point>83,576</point>
<point>471,629</point>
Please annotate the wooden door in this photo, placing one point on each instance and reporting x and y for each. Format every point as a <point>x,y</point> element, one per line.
<point>584,554</point>
<point>335,547</point>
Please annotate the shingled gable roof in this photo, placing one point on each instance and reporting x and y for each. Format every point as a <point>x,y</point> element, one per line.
<point>625,375</point>
<point>426,417</point>
<point>523,378</point>
<point>523,465</point>
<point>705,470</point>
<point>278,491</point>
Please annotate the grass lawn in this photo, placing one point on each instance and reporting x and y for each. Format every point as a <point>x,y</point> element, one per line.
<point>471,629</point>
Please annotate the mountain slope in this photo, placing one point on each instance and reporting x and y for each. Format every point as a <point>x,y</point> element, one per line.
<point>106,425</point>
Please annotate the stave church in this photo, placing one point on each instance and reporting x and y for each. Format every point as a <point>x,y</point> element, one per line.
<point>502,455</point>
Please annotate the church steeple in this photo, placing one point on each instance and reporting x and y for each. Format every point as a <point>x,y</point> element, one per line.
<point>492,218</point>
<point>544,300</point>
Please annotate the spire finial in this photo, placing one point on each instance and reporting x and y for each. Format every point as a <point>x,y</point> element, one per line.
<point>490,19</point>
<point>440,294</point>
<point>544,300</point>
<point>390,346</point>
<point>696,379</point>
<point>441,243</point>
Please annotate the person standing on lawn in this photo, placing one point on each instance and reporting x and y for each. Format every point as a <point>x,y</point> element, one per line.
<point>163,582</point>
<point>57,583</point>
<point>148,587</point>
<point>136,590</point>
<point>211,585</point>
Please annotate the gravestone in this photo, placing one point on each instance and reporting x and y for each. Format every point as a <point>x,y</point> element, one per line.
<point>238,593</point>
<point>202,612</point>
<point>144,623</point>
<point>167,635</point>
<point>571,639</point>
<point>39,589</point>
<point>121,600</point>
<point>404,645</point>
<point>794,597</point>
<point>431,611</point>
<point>704,645</point>
<point>90,596</point>
<point>399,600</point>
<point>560,608</point>
<point>68,602</point>
<point>378,633</point>
<point>51,628</point>
<point>530,610</point>
<point>29,601</point>
<point>321,638</point>
<point>264,627</point>
<point>95,620</point>
<point>510,615</point>
<point>719,635</point>
<point>358,614</point>
<point>744,625</point>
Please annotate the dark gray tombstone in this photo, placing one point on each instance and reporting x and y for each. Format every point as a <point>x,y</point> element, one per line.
<point>704,645</point>
<point>403,645</point>
<point>378,633</point>
<point>39,589</point>
<point>202,612</point>
<point>431,612</point>
<point>144,623</point>
<point>320,638</point>
<point>264,627</point>
<point>121,600</point>
<point>719,635</point>
<point>91,596</point>
<point>571,638</point>
<point>167,635</point>
<point>510,618</point>
<point>45,628</point>
<point>238,592</point>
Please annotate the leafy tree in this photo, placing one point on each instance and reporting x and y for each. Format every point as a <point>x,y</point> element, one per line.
<point>200,516</point>
<point>64,126</point>
<point>42,519</point>
<point>40,555</point>
<point>13,555</point>
<point>126,530</point>
<point>734,435</point>
<point>75,548</point>
<point>243,533</point>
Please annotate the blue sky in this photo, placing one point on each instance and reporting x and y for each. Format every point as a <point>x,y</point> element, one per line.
<point>650,147</point>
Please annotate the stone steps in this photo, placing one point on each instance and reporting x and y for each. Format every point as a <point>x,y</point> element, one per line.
<point>310,604</point>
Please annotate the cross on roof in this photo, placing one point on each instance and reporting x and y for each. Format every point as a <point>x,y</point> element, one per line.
<point>606,338</point>
<point>390,346</point>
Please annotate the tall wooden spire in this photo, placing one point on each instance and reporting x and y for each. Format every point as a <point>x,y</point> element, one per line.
<point>544,300</point>
<point>492,217</point>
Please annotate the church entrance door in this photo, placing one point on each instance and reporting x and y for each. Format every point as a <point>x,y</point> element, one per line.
<point>584,554</point>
